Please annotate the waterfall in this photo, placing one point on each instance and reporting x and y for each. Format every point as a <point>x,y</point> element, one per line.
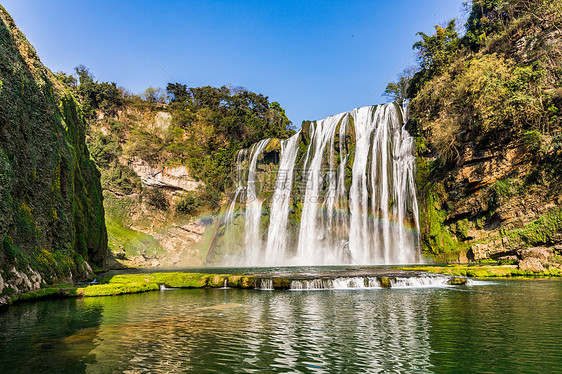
<point>309,248</point>
<point>253,203</point>
<point>344,193</point>
<point>277,234</point>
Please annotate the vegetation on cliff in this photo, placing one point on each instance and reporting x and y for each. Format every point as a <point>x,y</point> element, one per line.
<point>485,107</point>
<point>51,213</point>
<point>166,157</point>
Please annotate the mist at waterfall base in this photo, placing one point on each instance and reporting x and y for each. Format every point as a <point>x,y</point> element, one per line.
<point>339,191</point>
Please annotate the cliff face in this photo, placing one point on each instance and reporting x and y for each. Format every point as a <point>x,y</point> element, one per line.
<point>143,195</point>
<point>51,214</point>
<point>490,142</point>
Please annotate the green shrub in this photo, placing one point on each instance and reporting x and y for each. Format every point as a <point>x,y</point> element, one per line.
<point>104,149</point>
<point>156,198</point>
<point>121,179</point>
<point>532,140</point>
<point>188,204</point>
<point>10,250</point>
<point>508,187</point>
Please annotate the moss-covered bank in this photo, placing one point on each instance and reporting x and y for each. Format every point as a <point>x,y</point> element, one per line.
<point>484,271</point>
<point>136,283</point>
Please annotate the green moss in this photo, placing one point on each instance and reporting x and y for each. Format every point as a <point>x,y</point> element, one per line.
<point>542,231</point>
<point>47,292</point>
<point>136,283</point>
<point>436,238</point>
<point>10,250</point>
<point>508,187</point>
<point>216,280</point>
<point>240,281</point>
<point>134,243</point>
<point>462,229</point>
<point>180,280</point>
<point>116,289</point>
<point>456,281</point>
<point>384,282</point>
<point>483,271</point>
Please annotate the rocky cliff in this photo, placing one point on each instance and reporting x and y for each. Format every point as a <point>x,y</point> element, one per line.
<point>147,224</point>
<point>51,214</point>
<point>490,137</point>
<point>165,163</point>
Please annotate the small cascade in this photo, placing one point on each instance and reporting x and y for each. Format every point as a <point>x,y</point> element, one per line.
<point>419,282</point>
<point>264,284</point>
<point>344,193</point>
<point>239,181</point>
<point>342,283</point>
<point>369,282</point>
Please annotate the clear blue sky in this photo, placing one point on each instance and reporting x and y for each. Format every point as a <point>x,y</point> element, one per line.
<point>316,58</point>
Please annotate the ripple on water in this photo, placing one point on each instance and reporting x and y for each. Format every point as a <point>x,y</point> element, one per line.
<point>506,327</point>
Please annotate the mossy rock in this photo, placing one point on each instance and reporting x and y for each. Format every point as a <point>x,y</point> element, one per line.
<point>116,289</point>
<point>241,281</point>
<point>273,145</point>
<point>384,282</point>
<point>216,280</point>
<point>457,281</point>
<point>50,195</point>
<point>281,283</point>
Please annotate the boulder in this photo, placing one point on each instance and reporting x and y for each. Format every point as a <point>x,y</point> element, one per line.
<point>457,281</point>
<point>531,264</point>
<point>541,253</point>
<point>534,259</point>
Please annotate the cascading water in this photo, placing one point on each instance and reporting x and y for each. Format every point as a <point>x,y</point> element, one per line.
<point>276,246</point>
<point>253,204</point>
<point>344,193</point>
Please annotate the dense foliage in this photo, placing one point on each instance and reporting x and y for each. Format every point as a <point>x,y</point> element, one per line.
<point>51,212</point>
<point>211,124</point>
<point>208,126</point>
<point>485,107</point>
<point>498,82</point>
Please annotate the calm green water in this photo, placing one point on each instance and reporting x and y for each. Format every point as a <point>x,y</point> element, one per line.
<point>499,326</point>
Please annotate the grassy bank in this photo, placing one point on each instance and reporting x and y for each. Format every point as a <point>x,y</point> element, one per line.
<point>136,283</point>
<point>483,271</point>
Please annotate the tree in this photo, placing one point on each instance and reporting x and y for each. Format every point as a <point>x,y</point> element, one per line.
<point>154,95</point>
<point>437,50</point>
<point>178,92</point>
<point>208,96</point>
<point>94,95</point>
<point>398,91</point>
<point>68,79</point>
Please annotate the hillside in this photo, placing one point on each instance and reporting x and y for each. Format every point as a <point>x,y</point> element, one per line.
<point>486,110</point>
<point>166,159</point>
<point>51,214</point>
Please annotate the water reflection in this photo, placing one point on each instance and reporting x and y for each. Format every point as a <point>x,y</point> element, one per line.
<point>256,331</point>
<point>507,327</point>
